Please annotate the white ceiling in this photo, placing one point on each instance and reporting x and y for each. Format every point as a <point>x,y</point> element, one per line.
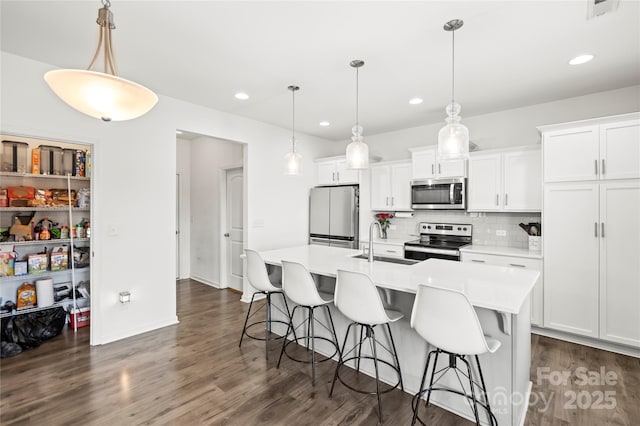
<point>508,54</point>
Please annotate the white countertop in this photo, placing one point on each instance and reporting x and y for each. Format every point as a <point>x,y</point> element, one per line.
<point>493,287</point>
<point>502,251</point>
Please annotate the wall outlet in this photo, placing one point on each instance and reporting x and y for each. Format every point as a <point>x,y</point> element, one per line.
<point>501,233</point>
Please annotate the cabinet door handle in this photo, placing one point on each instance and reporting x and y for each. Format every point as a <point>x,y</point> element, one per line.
<point>386,201</point>
<point>333,176</point>
<point>392,201</point>
<point>477,260</point>
<point>596,164</point>
<point>433,172</point>
<point>517,265</point>
<point>602,168</point>
<point>338,176</point>
<point>497,199</point>
<point>596,229</point>
<point>439,168</point>
<point>506,199</point>
<point>602,230</point>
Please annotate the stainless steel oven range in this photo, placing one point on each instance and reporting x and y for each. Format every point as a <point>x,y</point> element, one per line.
<point>438,240</point>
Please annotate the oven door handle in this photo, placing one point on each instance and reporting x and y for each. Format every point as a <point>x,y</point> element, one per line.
<point>432,250</point>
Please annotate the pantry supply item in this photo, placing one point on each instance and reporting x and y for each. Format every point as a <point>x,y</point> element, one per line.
<point>14,156</point>
<point>26,296</point>
<point>35,161</point>
<point>50,160</point>
<point>44,292</point>
<point>68,161</point>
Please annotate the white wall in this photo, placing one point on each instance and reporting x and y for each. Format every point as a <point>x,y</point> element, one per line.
<point>208,157</point>
<point>512,127</point>
<point>134,191</point>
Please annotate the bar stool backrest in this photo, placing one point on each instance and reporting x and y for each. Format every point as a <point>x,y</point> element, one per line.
<point>299,286</point>
<point>446,319</point>
<point>257,272</point>
<point>357,297</point>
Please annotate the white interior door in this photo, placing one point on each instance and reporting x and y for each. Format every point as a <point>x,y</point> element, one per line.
<point>234,231</point>
<point>177,226</point>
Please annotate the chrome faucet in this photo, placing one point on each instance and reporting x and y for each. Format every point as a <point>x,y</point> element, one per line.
<point>373,224</point>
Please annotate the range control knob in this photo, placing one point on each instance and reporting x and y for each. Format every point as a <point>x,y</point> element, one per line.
<point>464,229</point>
<point>459,228</point>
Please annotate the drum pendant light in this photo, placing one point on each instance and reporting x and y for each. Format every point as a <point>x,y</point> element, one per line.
<point>102,95</point>
<point>453,138</point>
<point>357,150</point>
<point>293,160</point>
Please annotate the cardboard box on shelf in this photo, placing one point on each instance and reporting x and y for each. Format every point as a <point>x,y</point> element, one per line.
<point>7,263</point>
<point>37,263</point>
<point>35,161</point>
<point>59,258</point>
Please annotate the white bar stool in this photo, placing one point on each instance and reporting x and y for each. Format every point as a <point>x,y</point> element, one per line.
<point>446,319</point>
<point>299,286</point>
<point>259,279</point>
<point>357,297</point>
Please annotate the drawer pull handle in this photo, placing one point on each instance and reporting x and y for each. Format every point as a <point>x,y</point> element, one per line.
<point>516,265</point>
<point>477,260</point>
<point>390,251</point>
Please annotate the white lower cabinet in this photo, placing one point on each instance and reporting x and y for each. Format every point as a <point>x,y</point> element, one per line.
<point>385,249</point>
<point>515,262</point>
<point>592,259</point>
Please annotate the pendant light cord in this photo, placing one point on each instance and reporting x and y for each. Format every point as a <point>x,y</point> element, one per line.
<point>357,94</point>
<point>453,65</point>
<point>293,121</point>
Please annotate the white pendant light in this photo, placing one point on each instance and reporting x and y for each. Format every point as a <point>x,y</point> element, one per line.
<point>453,138</point>
<point>102,95</point>
<point>293,160</point>
<point>357,150</point>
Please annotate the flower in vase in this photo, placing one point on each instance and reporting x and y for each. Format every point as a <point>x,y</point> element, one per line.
<point>384,219</point>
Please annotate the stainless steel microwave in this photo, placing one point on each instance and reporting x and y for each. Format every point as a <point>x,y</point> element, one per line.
<point>445,194</point>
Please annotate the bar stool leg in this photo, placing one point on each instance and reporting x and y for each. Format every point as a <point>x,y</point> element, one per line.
<point>340,363</point>
<point>371,333</point>
<point>359,349</point>
<point>313,346</point>
<point>420,390</point>
<point>433,373</point>
<point>284,339</point>
<point>267,327</point>
<point>395,356</point>
<point>333,330</point>
<point>473,392</point>
<point>484,392</point>
<point>244,328</point>
<point>290,318</point>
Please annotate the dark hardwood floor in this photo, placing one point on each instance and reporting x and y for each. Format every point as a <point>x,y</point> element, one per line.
<point>194,373</point>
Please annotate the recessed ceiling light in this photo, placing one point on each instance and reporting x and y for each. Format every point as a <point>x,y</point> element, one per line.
<point>580,59</point>
<point>242,96</point>
<point>324,123</point>
<point>416,101</point>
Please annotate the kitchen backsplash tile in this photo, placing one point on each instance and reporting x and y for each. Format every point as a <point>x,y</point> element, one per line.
<point>485,226</point>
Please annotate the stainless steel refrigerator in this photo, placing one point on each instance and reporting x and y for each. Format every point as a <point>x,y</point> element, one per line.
<point>333,216</point>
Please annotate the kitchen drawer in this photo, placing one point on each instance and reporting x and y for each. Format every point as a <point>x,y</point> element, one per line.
<point>516,262</point>
<point>383,249</point>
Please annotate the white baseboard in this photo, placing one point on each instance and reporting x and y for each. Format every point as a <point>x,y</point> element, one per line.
<point>206,281</point>
<point>587,341</point>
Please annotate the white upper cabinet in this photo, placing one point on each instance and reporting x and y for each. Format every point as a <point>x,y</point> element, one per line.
<point>505,180</point>
<point>333,171</point>
<point>391,186</point>
<point>602,150</point>
<point>425,165</point>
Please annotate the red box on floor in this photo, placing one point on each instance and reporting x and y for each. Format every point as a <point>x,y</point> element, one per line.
<point>81,315</point>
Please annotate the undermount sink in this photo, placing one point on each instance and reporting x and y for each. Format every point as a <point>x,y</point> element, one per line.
<point>387,259</point>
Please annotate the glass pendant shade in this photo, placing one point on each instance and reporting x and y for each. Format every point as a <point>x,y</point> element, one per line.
<point>104,96</point>
<point>453,138</point>
<point>357,151</point>
<point>292,163</point>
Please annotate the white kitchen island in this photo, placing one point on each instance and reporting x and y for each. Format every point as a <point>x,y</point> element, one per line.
<point>499,294</point>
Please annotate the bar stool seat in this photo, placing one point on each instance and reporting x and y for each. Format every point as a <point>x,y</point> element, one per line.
<point>357,297</point>
<point>300,288</point>
<point>446,319</point>
<point>259,279</point>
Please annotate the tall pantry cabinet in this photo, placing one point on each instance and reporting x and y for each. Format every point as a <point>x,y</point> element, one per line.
<point>591,228</point>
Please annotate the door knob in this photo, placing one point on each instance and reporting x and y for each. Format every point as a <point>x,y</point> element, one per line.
<point>226,234</point>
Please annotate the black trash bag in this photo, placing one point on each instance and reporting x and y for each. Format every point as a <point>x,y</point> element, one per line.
<point>30,330</point>
<point>9,349</point>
